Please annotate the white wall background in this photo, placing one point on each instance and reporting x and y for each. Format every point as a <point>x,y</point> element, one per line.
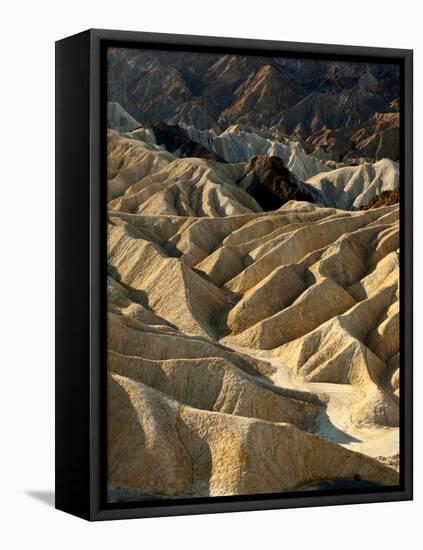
<point>28,31</point>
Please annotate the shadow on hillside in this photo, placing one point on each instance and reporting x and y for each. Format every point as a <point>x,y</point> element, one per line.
<point>325,428</point>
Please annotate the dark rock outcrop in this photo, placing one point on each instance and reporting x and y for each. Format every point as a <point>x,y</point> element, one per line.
<point>273,184</point>
<point>176,140</point>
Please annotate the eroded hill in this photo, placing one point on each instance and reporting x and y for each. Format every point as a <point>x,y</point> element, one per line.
<point>250,351</point>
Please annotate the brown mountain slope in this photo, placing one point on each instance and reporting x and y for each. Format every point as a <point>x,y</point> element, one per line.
<point>222,79</point>
<point>385,198</point>
<point>213,91</point>
<point>329,144</point>
<point>318,111</point>
<point>260,98</point>
<point>157,94</point>
<point>380,138</point>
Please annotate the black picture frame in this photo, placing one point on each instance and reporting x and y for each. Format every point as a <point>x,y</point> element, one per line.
<point>81,275</point>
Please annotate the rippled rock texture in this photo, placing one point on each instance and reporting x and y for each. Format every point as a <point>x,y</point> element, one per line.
<point>253,275</point>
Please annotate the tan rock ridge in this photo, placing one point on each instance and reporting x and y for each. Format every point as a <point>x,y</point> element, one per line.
<point>249,351</point>
<point>210,454</point>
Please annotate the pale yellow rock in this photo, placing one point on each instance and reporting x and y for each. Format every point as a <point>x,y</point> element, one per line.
<point>215,384</point>
<point>145,178</point>
<point>379,407</point>
<point>159,445</point>
<point>306,313</point>
<point>275,292</point>
<point>249,351</point>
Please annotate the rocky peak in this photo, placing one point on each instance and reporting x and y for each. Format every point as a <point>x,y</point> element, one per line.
<point>176,140</point>
<point>272,184</point>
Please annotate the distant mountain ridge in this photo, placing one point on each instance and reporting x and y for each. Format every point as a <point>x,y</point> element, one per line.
<point>297,98</point>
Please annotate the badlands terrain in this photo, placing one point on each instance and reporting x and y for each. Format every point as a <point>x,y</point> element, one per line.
<point>253,275</point>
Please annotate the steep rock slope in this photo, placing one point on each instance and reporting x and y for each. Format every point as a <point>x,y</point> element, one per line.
<point>297,97</point>
<point>333,77</point>
<point>253,326</point>
<point>317,287</point>
<point>271,184</point>
<point>118,119</point>
<point>329,144</point>
<point>145,178</point>
<point>262,96</point>
<point>241,143</point>
<point>352,187</point>
<point>385,198</point>
<point>198,112</point>
<point>148,179</point>
<point>380,138</point>
<point>158,93</point>
<point>319,110</point>
<point>175,139</point>
<point>210,454</point>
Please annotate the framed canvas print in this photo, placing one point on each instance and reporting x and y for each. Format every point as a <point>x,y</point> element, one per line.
<point>234,274</point>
